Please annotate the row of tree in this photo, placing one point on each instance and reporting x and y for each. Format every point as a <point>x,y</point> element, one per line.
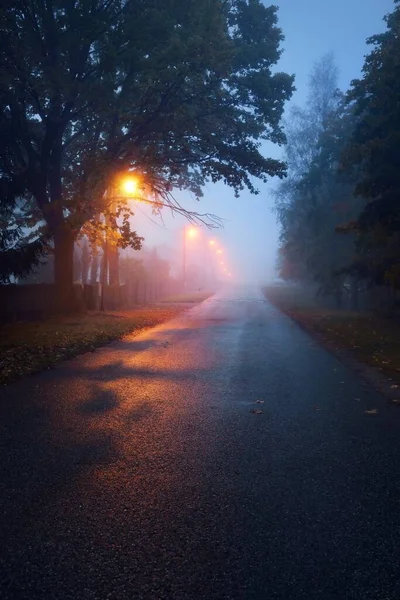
<point>88,264</point>
<point>339,208</point>
<point>178,92</point>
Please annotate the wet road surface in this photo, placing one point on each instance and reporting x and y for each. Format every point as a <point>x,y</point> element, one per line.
<point>140,471</point>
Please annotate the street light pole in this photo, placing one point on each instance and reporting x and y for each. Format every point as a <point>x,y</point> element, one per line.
<point>128,186</point>
<point>184,258</point>
<point>104,270</point>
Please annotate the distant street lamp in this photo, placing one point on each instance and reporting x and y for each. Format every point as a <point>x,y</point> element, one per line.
<point>188,233</point>
<point>192,232</point>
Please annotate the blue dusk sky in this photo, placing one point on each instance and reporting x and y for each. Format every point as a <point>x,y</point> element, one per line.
<point>311,29</point>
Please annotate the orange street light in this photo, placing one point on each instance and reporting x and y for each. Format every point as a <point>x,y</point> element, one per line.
<point>219,251</point>
<point>129,185</point>
<point>212,242</point>
<point>192,232</point>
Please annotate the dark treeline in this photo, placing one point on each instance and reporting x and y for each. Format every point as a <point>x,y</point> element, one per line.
<point>339,208</point>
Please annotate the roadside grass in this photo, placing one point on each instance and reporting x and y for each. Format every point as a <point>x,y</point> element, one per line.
<point>372,339</point>
<point>189,297</point>
<point>29,347</point>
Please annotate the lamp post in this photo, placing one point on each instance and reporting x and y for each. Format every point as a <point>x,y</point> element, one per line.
<point>128,186</point>
<point>104,266</point>
<point>184,259</point>
<point>188,232</point>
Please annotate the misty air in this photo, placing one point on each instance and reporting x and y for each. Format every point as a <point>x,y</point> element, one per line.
<point>199,299</point>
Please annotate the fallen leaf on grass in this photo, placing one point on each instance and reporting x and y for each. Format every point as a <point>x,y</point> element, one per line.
<point>256,412</point>
<point>373,411</point>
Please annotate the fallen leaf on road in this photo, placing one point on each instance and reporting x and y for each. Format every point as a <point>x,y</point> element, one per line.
<point>260,401</point>
<point>256,411</point>
<point>373,411</point>
<point>394,387</point>
<point>358,400</point>
<point>397,401</point>
<point>316,407</point>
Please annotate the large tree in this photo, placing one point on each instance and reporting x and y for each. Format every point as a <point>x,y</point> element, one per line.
<point>375,151</point>
<point>181,92</point>
<point>295,197</point>
<point>318,196</point>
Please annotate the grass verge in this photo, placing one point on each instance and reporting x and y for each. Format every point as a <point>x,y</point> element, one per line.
<point>27,348</point>
<point>371,339</point>
<point>189,297</point>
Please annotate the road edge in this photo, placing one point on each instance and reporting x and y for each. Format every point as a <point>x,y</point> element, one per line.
<point>380,382</point>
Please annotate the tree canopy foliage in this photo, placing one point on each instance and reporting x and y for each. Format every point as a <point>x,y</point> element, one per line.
<point>374,150</point>
<point>316,197</point>
<point>343,154</point>
<point>180,92</point>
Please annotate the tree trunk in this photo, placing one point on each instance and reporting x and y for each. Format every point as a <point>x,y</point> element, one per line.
<point>104,276</point>
<point>113,262</point>
<point>85,262</point>
<point>64,270</point>
<point>94,269</point>
<point>77,268</point>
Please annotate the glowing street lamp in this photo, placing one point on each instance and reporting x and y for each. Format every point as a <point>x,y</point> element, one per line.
<point>192,233</point>
<point>129,185</point>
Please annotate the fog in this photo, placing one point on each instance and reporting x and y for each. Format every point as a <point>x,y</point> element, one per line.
<point>250,233</point>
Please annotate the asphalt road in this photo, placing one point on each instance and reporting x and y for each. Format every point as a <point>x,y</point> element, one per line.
<point>140,471</point>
